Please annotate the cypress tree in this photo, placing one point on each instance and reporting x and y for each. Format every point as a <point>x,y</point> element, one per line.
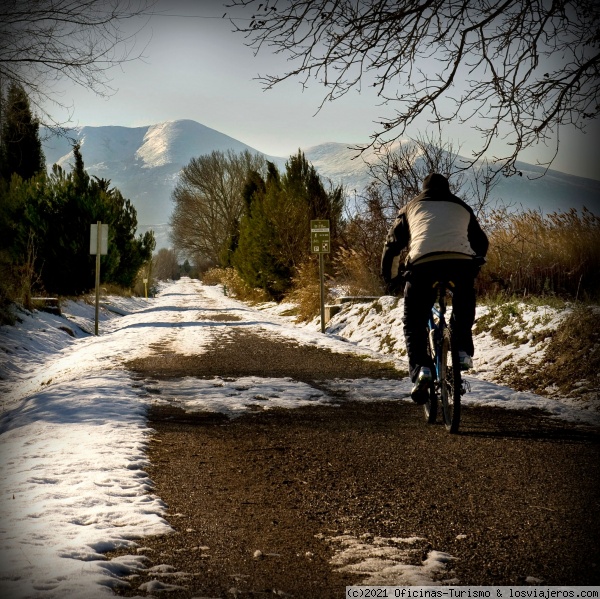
<point>274,231</point>
<point>20,145</point>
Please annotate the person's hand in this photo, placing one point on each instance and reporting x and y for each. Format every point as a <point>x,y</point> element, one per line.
<point>478,262</point>
<point>395,285</point>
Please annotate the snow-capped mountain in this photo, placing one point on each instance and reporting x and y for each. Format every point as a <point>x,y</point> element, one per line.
<point>535,189</point>
<point>144,162</point>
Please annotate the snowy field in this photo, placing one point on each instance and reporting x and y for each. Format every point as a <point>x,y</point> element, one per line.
<point>73,431</point>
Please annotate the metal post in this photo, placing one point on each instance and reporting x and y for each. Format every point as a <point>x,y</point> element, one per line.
<point>98,249</point>
<point>322,283</point>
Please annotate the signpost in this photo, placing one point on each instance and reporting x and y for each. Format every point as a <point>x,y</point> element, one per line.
<point>320,242</point>
<point>98,246</point>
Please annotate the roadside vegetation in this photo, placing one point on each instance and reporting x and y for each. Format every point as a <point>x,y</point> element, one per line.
<point>553,255</point>
<point>565,344</point>
<point>45,219</point>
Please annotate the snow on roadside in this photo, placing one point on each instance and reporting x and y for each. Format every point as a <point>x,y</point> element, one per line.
<point>73,439</point>
<point>74,486</point>
<point>377,325</point>
<point>73,429</point>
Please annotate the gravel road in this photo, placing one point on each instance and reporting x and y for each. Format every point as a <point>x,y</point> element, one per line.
<point>265,503</point>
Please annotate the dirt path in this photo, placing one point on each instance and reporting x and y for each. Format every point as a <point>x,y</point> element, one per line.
<point>260,503</point>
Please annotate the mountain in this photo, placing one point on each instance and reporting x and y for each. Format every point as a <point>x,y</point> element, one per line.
<point>550,192</point>
<point>144,162</point>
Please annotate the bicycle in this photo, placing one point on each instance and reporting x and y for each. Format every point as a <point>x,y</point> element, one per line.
<point>447,385</point>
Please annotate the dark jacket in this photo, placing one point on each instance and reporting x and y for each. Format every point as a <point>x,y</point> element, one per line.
<point>436,225</point>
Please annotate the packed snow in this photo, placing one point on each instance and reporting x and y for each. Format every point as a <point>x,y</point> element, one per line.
<point>73,429</point>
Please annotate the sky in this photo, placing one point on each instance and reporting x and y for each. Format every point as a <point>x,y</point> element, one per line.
<point>74,433</point>
<point>195,67</point>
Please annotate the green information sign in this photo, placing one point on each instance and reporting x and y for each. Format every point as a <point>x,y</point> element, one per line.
<point>320,240</point>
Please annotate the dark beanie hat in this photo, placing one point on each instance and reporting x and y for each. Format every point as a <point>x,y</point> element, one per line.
<point>436,182</point>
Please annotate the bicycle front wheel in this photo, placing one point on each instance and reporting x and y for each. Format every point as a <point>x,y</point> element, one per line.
<point>450,383</point>
<point>430,407</point>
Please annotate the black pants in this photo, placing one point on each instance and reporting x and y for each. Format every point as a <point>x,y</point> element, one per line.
<point>419,296</point>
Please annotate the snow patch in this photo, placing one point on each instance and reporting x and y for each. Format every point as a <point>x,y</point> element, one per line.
<point>390,561</point>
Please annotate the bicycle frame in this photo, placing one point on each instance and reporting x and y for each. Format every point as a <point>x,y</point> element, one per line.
<point>447,385</point>
<point>438,332</point>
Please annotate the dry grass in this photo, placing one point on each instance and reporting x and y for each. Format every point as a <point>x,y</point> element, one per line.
<point>233,285</point>
<point>571,364</point>
<point>306,291</point>
<point>112,289</point>
<point>354,271</point>
<point>535,254</point>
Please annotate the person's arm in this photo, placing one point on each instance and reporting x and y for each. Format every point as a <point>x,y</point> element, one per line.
<point>477,238</point>
<point>396,240</point>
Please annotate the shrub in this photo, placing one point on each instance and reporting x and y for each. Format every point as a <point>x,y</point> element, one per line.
<point>233,284</point>
<point>306,291</point>
<point>213,276</point>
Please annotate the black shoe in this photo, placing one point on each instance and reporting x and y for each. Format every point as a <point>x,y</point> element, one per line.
<point>420,391</point>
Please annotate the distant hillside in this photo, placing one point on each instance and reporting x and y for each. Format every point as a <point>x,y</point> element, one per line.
<point>554,191</point>
<point>143,162</point>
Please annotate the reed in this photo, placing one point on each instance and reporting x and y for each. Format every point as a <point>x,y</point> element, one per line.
<point>531,253</point>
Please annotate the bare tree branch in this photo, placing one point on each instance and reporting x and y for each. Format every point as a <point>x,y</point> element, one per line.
<point>521,68</point>
<point>400,169</point>
<point>42,41</point>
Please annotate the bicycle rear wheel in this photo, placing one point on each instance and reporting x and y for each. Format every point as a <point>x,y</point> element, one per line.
<point>430,407</point>
<point>450,383</point>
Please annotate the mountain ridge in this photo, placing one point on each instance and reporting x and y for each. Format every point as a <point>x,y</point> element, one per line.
<point>144,163</point>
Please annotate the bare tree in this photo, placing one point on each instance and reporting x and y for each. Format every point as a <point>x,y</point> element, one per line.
<point>400,169</point>
<point>208,202</point>
<point>520,68</point>
<point>165,265</point>
<point>397,177</point>
<point>357,263</point>
<point>42,41</point>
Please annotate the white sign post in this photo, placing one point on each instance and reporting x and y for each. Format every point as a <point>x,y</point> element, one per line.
<point>98,246</point>
<point>320,243</point>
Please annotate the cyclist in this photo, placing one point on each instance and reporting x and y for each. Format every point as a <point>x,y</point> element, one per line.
<point>444,240</point>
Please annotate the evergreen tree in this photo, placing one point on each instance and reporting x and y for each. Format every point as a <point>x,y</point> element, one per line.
<point>309,200</point>
<point>59,214</point>
<point>21,156</point>
<point>186,268</point>
<point>20,145</point>
<point>274,230</point>
<point>56,212</point>
<point>128,252</point>
<point>45,219</point>
<point>258,257</point>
